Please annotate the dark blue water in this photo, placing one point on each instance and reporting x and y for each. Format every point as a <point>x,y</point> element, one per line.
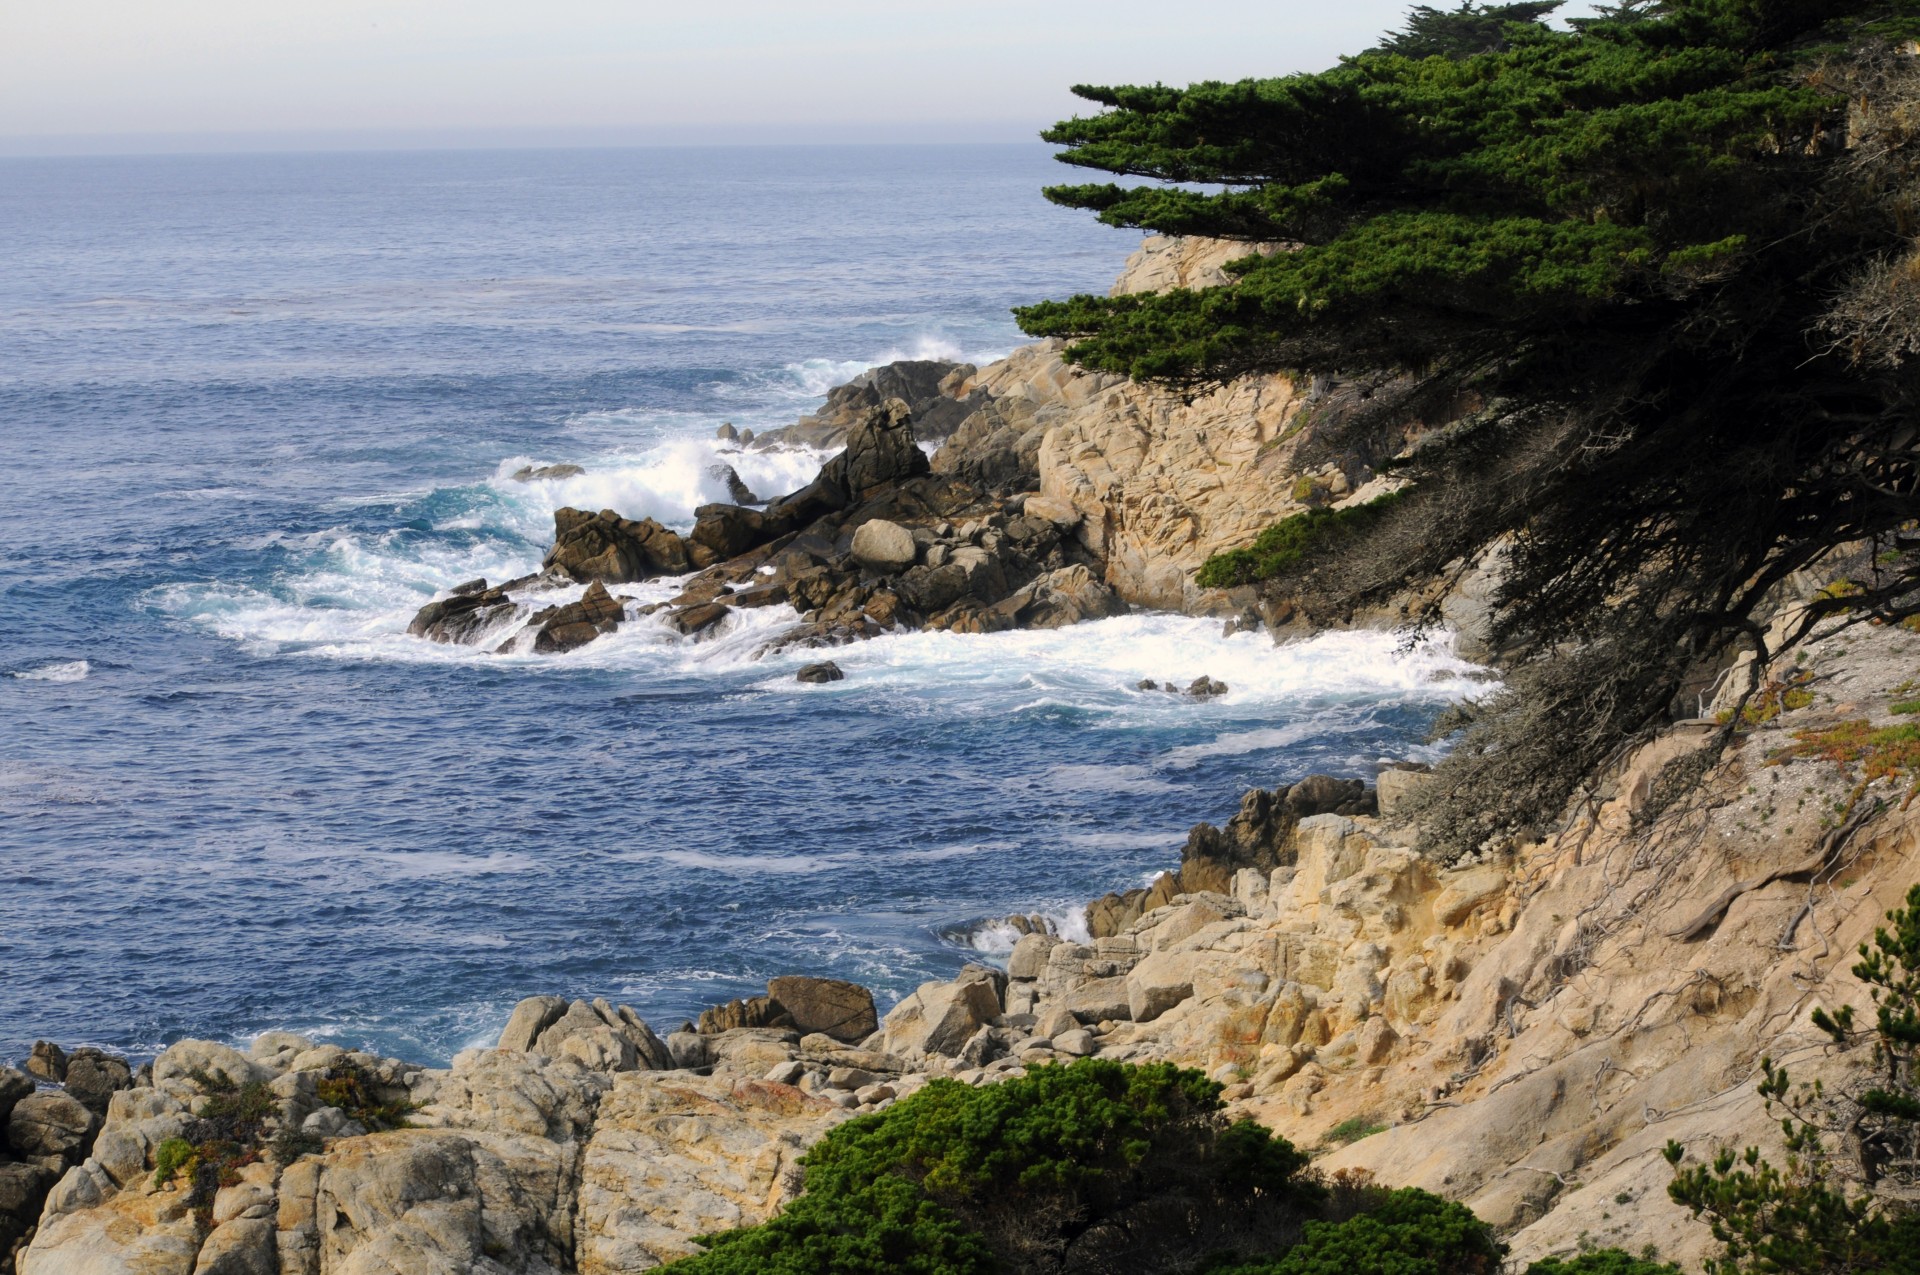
<point>260,408</point>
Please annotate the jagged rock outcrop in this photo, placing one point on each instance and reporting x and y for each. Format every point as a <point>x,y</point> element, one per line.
<point>924,386</point>
<point>566,1149</point>
<point>610,549</point>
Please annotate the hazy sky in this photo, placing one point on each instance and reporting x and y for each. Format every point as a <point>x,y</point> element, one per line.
<point>81,75</point>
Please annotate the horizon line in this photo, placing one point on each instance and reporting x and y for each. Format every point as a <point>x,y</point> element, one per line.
<point>318,141</point>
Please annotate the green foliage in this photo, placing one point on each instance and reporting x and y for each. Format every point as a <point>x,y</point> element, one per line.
<point>1408,1233</point>
<point>957,1179</point>
<point>349,1087</point>
<point>1642,290</point>
<point>170,1158</point>
<point>1458,33</point>
<point>1353,1129</point>
<point>1289,541</point>
<point>225,1136</point>
<point>1804,1219</point>
<point>1604,1261</point>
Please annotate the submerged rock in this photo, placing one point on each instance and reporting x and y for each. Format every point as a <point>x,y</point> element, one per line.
<point>824,671</point>
<point>533,473</point>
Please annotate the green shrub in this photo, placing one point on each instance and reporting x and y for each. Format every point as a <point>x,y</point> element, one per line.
<point>1127,1164</point>
<point>349,1087</point>
<point>1605,1261</point>
<point>169,1158</point>
<point>1287,543</point>
<point>1352,1130</point>
<point>1409,1233</point>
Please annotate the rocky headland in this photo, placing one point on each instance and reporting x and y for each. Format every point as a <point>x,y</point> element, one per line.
<point>1051,495</point>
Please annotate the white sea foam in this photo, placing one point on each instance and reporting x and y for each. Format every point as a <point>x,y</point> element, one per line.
<point>667,482</point>
<point>1062,667</point>
<point>66,671</point>
<point>996,936</point>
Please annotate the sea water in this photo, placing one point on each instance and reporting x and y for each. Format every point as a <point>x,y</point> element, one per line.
<point>260,408</point>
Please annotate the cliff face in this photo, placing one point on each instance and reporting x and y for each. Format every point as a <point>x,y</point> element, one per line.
<point>1161,483</point>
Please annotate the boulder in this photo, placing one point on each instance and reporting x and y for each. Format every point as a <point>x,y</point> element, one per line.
<point>278,1049</point>
<point>1158,983</point>
<point>611,549</point>
<point>1188,919</point>
<point>529,1018</point>
<point>1100,999</point>
<point>735,1015</point>
<point>601,1038</point>
<point>927,387</point>
<point>727,531</point>
<point>1055,1022</point>
<point>178,1065</point>
<point>49,1124</point>
<point>830,1006</point>
<point>243,1246</point>
<point>884,546</point>
<point>1058,512</point>
<point>564,628</point>
<point>1059,598</point>
<point>1325,795</point>
<point>673,1157</point>
<point>880,450</point>
<point>23,1189</point>
<point>1078,1043</point>
<point>1399,790</point>
<point>1259,836</point>
<point>935,586</point>
<point>1204,687</point>
<point>1375,1041</point>
<point>1029,958</point>
<point>94,1077</point>
<point>698,619</point>
<point>824,671</point>
<point>939,1018</point>
<point>466,616</point>
<point>47,1061</point>
<point>996,446</point>
<point>14,1085</point>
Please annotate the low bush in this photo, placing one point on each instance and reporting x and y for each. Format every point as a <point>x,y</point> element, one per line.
<point>1092,1167</point>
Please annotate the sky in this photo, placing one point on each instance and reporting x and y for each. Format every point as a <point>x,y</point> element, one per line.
<point>101,76</point>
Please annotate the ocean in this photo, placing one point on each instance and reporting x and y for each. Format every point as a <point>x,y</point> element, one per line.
<point>261,407</point>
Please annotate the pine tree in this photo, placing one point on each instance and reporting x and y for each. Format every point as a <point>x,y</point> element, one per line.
<point>1643,291</point>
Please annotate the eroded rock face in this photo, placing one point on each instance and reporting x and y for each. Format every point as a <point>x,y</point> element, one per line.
<point>613,550</point>
<point>923,385</point>
<point>594,1034</point>
<point>675,1156</point>
<point>831,1006</point>
<point>93,1077</point>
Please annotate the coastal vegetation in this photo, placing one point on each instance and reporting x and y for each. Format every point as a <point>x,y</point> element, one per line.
<point>1845,1199</point>
<point>1090,1166</point>
<point>1631,303</point>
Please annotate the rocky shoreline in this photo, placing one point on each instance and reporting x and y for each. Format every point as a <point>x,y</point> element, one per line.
<point>1051,495</point>
<point>1505,1032</point>
<point>878,542</point>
